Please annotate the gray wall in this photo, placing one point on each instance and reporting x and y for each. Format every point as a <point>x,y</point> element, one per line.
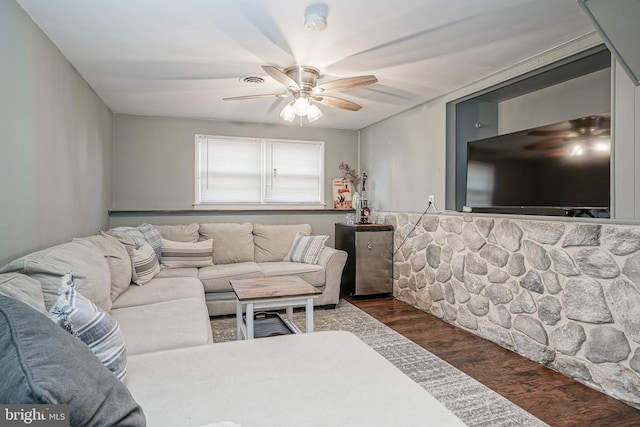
<point>626,140</point>
<point>55,143</point>
<point>582,96</point>
<point>404,157</point>
<point>414,143</point>
<point>154,169</point>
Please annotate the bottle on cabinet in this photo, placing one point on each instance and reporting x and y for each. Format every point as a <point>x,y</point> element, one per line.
<point>365,212</point>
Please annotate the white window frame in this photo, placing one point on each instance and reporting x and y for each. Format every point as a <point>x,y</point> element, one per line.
<point>265,178</point>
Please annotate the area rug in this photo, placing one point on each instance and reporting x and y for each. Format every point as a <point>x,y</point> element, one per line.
<point>472,402</point>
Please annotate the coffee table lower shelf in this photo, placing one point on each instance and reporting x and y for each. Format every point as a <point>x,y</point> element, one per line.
<point>269,325</point>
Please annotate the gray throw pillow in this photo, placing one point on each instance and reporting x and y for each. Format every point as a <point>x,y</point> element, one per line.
<point>40,363</point>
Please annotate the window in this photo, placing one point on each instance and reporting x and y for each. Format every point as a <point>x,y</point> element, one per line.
<point>258,172</point>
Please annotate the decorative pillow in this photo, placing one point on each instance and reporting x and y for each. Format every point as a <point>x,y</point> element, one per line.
<point>118,260</point>
<point>232,243</point>
<point>23,288</point>
<point>42,364</point>
<point>180,233</point>
<point>152,237</point>
<point>273,242</point>
<point>306,249</point>
<point>145,263</point>
<point>187,254</point>
<point>133,232</point>
<point>94,327</point>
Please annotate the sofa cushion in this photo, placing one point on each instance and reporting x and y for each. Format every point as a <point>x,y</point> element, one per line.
<point>187,254</point>
<point>273,242</point>
<point>160,289</point>
<point>42,364</point>
<point>231,242</point>
<point>164,325</point>
<point>23,288</point>
<point>312,380</point>
<point>178,272</point>
<point>306,249</point>
<point>144,262</point>
<point>179,233</point>
<point>117,259</point>
<point>99,331</point>
<point>152,237</point>
<point>80,257</point>
<point>312,273</point>
<point>216,278</point>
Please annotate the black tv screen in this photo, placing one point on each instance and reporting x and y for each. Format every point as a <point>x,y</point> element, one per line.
<point>558,169</point>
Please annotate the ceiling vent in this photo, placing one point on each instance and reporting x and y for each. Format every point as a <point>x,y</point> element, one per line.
<point>251,80</point>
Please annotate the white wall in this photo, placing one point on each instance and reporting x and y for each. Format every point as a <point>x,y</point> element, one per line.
<point>55,143</point>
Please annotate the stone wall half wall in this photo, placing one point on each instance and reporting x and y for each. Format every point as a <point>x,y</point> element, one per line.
<point>564,294</point>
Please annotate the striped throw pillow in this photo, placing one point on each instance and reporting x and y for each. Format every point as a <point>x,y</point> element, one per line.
<point>92,325</point>
<point>145,264</point>
<point>152,237</point>
<point>187,254</point>
<point>306,249</point>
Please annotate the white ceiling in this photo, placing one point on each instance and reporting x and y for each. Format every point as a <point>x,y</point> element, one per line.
<point>181,57</point>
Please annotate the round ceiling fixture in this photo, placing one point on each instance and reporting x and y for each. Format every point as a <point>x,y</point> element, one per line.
<point>315,17</point>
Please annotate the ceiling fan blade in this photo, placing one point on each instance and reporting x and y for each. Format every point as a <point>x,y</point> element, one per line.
<point>337,103</point>
<point>266,95</point>
<point>346,84</point>
<point>281,77</point>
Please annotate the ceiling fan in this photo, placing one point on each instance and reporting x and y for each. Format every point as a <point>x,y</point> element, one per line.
<point>589,127</point>
<point>301,82</point>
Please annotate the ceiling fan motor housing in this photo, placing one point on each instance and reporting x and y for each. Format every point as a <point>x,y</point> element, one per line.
<point>306,77</point>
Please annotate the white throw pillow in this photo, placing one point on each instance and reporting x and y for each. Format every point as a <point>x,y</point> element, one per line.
<point>145,263</point>
<point>186,254</point>
<point>306,249</point>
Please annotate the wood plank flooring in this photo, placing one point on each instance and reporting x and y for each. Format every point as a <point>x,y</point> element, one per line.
<point>552,397</point>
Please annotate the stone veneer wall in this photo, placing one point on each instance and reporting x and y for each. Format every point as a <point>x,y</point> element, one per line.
<point>564,294</point>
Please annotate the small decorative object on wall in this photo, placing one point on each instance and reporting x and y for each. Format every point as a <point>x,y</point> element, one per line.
<point>342,194</point>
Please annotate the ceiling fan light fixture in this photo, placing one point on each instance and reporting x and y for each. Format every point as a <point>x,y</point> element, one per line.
<point>288,113</point>
<point>301,106</point>
<point>315,17</point>
<point>314,113</point>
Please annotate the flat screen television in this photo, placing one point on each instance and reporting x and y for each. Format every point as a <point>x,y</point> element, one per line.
<point>558,169</point>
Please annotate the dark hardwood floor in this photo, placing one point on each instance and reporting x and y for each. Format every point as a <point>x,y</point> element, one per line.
<point>550,396</point>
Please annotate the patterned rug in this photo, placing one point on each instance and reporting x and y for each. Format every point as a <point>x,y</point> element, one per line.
<point>471,401</point>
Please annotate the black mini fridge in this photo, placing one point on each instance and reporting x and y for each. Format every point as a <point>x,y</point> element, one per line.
<point>369,267</point>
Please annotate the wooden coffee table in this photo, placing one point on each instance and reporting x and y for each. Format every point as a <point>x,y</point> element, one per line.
<point>272,292</point>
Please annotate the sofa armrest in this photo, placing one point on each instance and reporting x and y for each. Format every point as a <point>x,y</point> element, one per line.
<point>333,261</point>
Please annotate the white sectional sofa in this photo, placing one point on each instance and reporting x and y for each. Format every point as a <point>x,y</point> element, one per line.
<point>176,376</point>
<point>248,250</point>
